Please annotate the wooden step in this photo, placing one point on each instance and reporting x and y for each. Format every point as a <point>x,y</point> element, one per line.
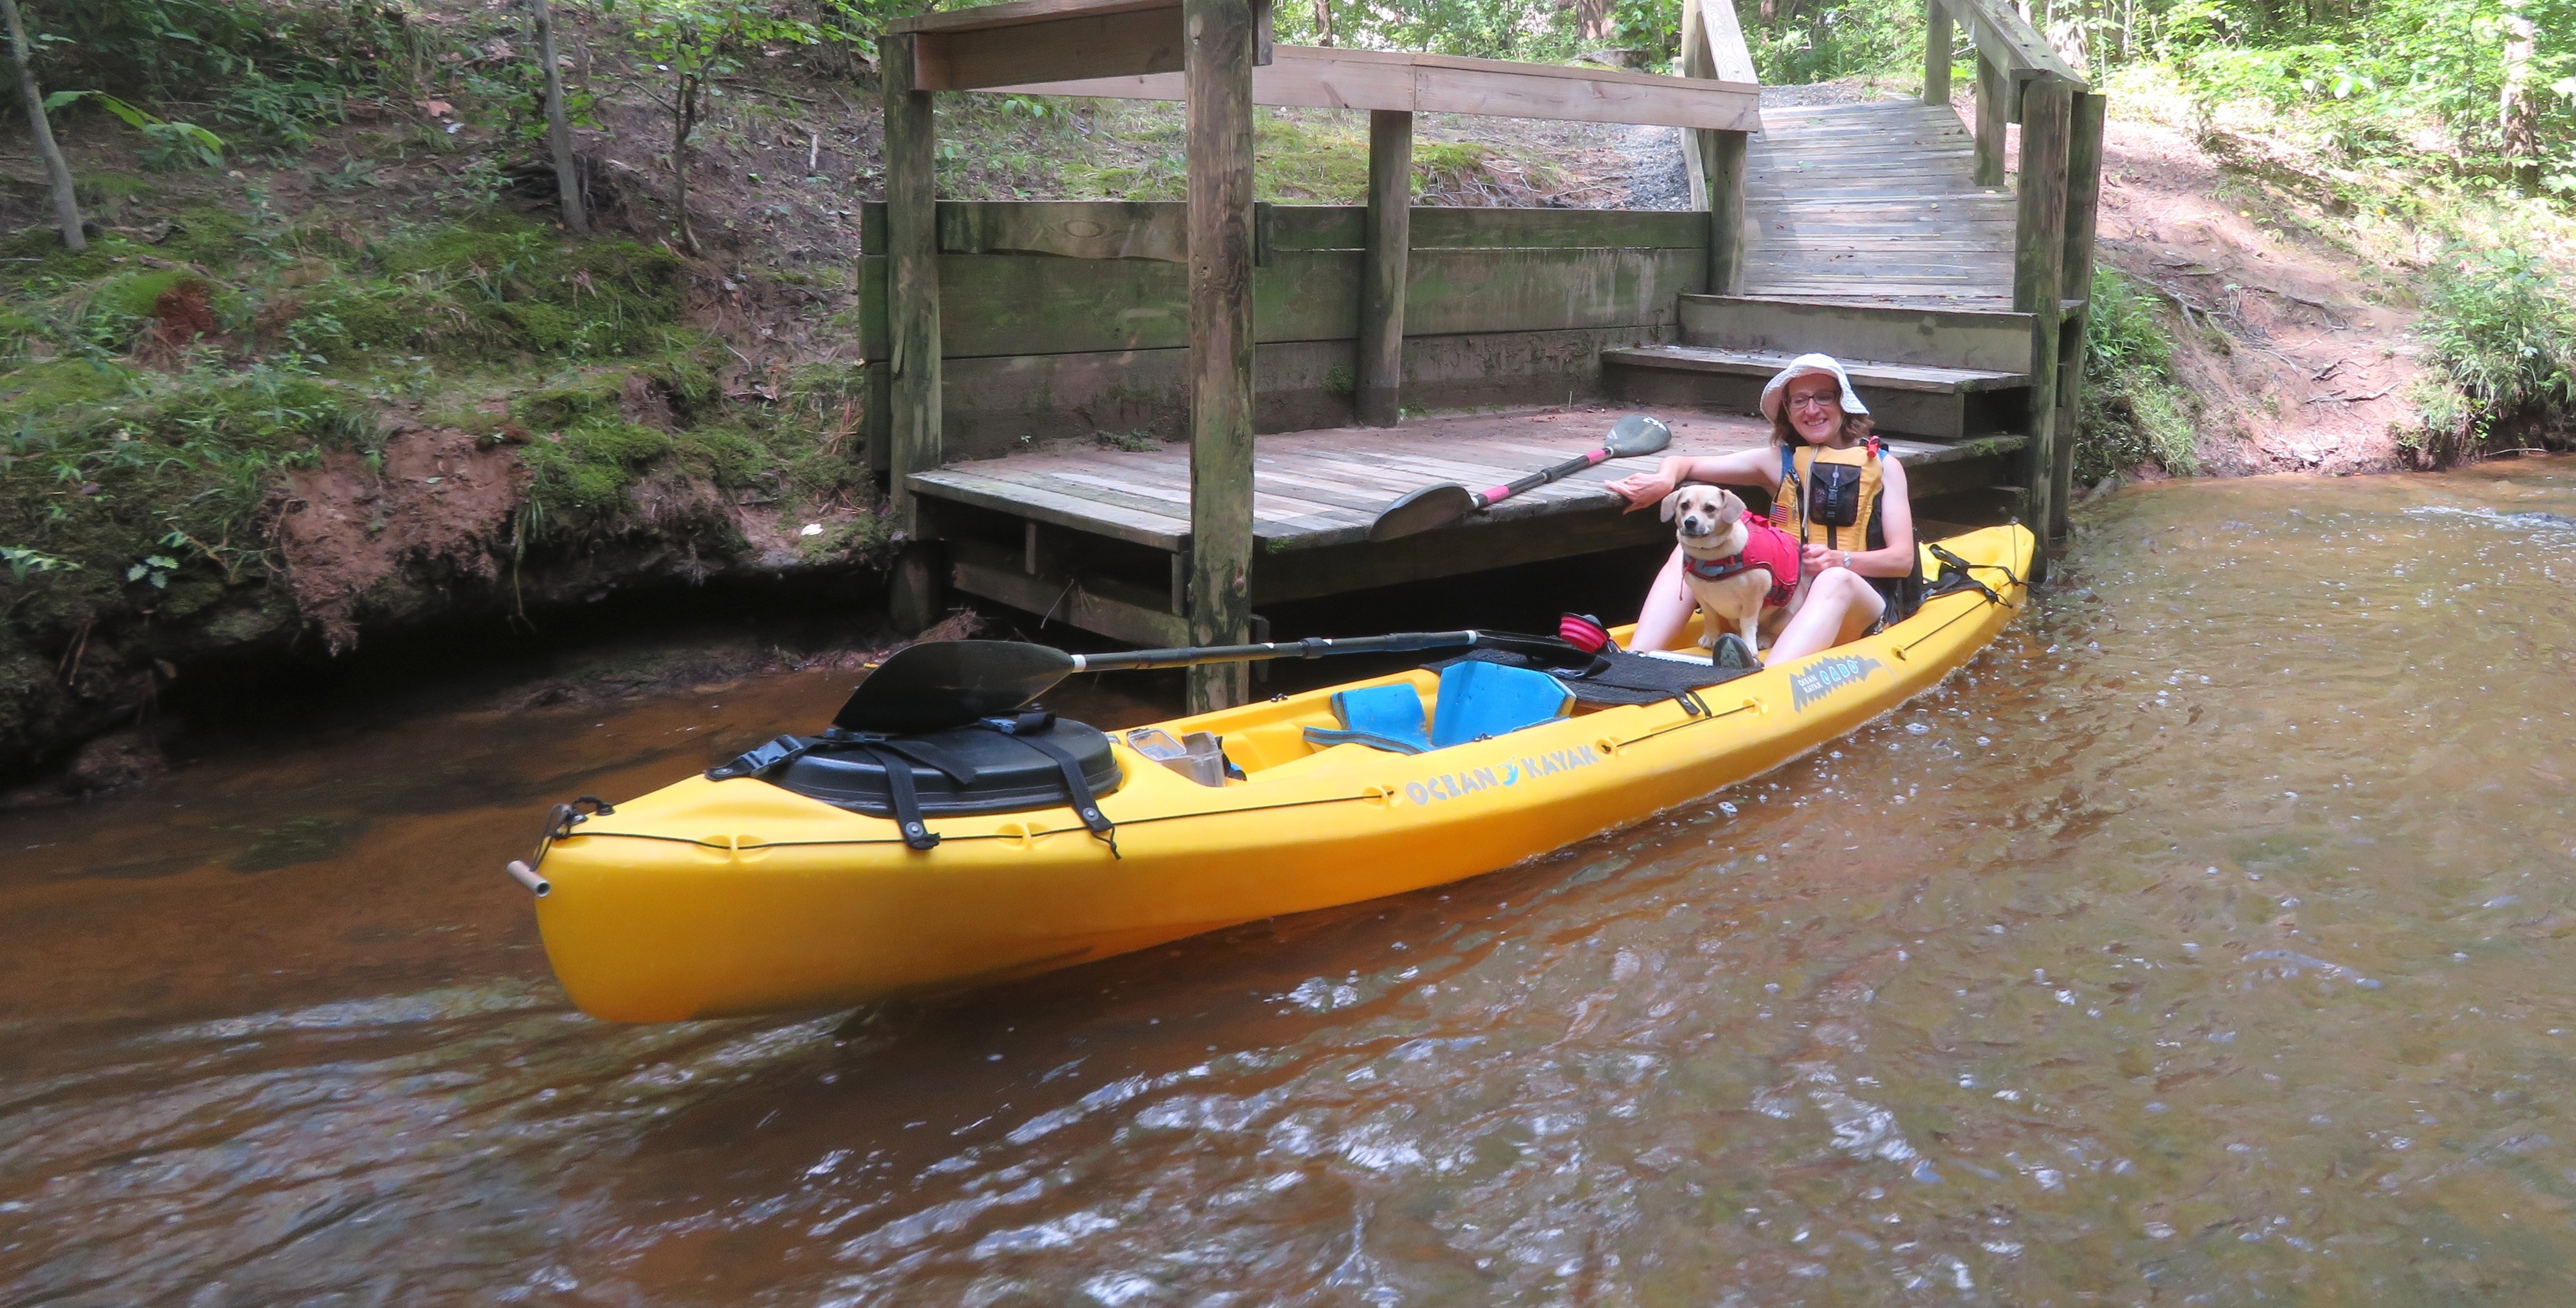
<point>1865,374</point>
<point>1970,339</point>
<point>1909,399</point>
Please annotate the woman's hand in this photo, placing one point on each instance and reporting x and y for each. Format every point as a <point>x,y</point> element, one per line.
<point>1813,559</point>
<point>1643,489</point>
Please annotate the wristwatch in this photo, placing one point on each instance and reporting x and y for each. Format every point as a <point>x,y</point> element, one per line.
<point>1846,560</point>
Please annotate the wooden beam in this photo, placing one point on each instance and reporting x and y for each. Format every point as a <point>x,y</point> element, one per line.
<point>1994,111</point>
<point>1221,35</point>
<point>2005,37</point>
<point>1129,42</point>
<point>1383,267</point>
<point>2039,260</point>
<point>1021,13</point>
<point>1419,83</point>
<point>1937,53</point>
<point>912,291</point>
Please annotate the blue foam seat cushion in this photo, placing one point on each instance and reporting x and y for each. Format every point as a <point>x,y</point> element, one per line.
<point>1385,717</point>
<point>1477,701</point>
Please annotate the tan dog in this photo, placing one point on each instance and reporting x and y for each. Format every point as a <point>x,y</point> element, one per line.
<point>1709,521</point>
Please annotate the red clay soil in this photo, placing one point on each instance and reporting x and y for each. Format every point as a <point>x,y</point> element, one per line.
<point>2312,371</point>
<point>439,509</point>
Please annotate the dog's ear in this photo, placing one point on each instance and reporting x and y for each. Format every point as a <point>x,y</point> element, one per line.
<point>1672,503</point>
<point>1730,510</point>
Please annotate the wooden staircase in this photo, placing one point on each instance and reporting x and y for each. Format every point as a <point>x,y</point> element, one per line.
<point>1868,236</point>
<point>1874,203</point>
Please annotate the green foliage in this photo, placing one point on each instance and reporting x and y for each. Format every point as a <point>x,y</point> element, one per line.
<point>2500,332</point>
<point>2133,414</point>
<point>1820,42</point>
<point>275,69</point>
<point>24,562</point>
<point>172,146</point>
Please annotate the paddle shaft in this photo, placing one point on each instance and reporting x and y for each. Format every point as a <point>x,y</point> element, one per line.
<point>1309,648</point>
<point>1486,499</point>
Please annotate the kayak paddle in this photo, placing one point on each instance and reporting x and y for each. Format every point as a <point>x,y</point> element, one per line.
<point>1438,506</point>
<point>949,683</point>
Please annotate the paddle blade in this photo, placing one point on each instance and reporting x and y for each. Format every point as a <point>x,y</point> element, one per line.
<point>1429,507</point>
<point>1637,434</point>
<point>949,683</point>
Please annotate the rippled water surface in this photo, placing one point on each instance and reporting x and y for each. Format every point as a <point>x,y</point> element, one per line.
<point>2208,940</point>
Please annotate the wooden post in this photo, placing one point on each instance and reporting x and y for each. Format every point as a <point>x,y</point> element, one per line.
<point>1696,62</point>
<point>912,277</point>
<point>2083,191</point>
<point>1994,110</point>
<point>1713,47</point>
<point>1936,53</point>
<point>2083,210</point>
<point>1380,397</point>
<point>1217,37</point>
<point>2039,261</point>
<point>1725,166</point>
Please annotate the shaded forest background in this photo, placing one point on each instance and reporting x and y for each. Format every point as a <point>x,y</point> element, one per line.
<point>332,362</point>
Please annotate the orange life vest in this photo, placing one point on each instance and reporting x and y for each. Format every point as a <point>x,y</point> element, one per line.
<point>1836,509</point>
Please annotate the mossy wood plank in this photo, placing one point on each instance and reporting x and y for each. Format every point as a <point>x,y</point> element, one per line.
<point>1065,227</point>
<point>999,305</point>
<point>1004,404</point>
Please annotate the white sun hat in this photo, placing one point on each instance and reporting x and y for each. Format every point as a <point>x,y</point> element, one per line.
<point>1805,365</point>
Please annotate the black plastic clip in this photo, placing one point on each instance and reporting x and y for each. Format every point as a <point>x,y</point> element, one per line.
<point>562,817</point>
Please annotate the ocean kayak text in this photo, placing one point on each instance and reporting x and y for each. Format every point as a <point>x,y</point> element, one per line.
<point>1454,784</point>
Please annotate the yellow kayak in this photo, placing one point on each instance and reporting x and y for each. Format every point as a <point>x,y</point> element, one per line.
<point>714,898</point>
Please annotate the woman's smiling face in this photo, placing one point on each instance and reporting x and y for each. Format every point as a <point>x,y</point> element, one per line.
<point>1815,407</point>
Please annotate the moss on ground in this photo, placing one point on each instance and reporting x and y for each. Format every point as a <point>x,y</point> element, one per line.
<point>140,464</point>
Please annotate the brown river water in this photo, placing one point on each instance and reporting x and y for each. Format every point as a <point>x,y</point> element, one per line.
<point>2212,938</point>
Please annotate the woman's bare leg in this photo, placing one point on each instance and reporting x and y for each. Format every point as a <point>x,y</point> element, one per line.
<point>1667,610</point>
<point>1839,604</point>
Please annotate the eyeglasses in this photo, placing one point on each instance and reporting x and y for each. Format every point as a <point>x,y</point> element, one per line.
<point>1821,400</point>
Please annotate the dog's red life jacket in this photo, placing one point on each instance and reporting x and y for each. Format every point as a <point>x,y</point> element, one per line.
<point>1765,546</point>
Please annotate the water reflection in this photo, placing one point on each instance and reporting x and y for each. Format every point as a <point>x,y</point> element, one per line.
<point>2204,941</point>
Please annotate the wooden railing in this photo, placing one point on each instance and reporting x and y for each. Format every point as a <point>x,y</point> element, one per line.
<point>1713,47</point>
<point>2020,79</point>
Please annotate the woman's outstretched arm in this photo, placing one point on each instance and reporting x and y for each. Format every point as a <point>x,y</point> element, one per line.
<point>1754,467</point>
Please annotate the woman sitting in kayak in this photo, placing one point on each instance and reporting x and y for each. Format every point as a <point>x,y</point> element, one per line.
<point>1832,486</point>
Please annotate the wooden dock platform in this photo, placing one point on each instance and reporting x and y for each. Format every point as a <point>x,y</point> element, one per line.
<point>1020,353</point>
<point>1101,537</point>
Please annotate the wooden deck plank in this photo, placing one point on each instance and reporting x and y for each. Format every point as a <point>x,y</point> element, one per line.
<point>1159,532</point>
<point>1321,488</point>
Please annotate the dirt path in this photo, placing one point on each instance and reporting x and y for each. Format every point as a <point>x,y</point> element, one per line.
<point>2294,349</point>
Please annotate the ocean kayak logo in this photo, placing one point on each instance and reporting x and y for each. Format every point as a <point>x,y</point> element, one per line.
<point>1829,676</point>
<point>1455,785</point>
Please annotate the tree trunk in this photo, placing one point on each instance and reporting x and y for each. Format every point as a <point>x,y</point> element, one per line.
<point>67,215</point>
<point>1592,19</point>
<point>1323,22</point>
<point>576,210</point>
<point>684,121</point>
<point>2517,115</point>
